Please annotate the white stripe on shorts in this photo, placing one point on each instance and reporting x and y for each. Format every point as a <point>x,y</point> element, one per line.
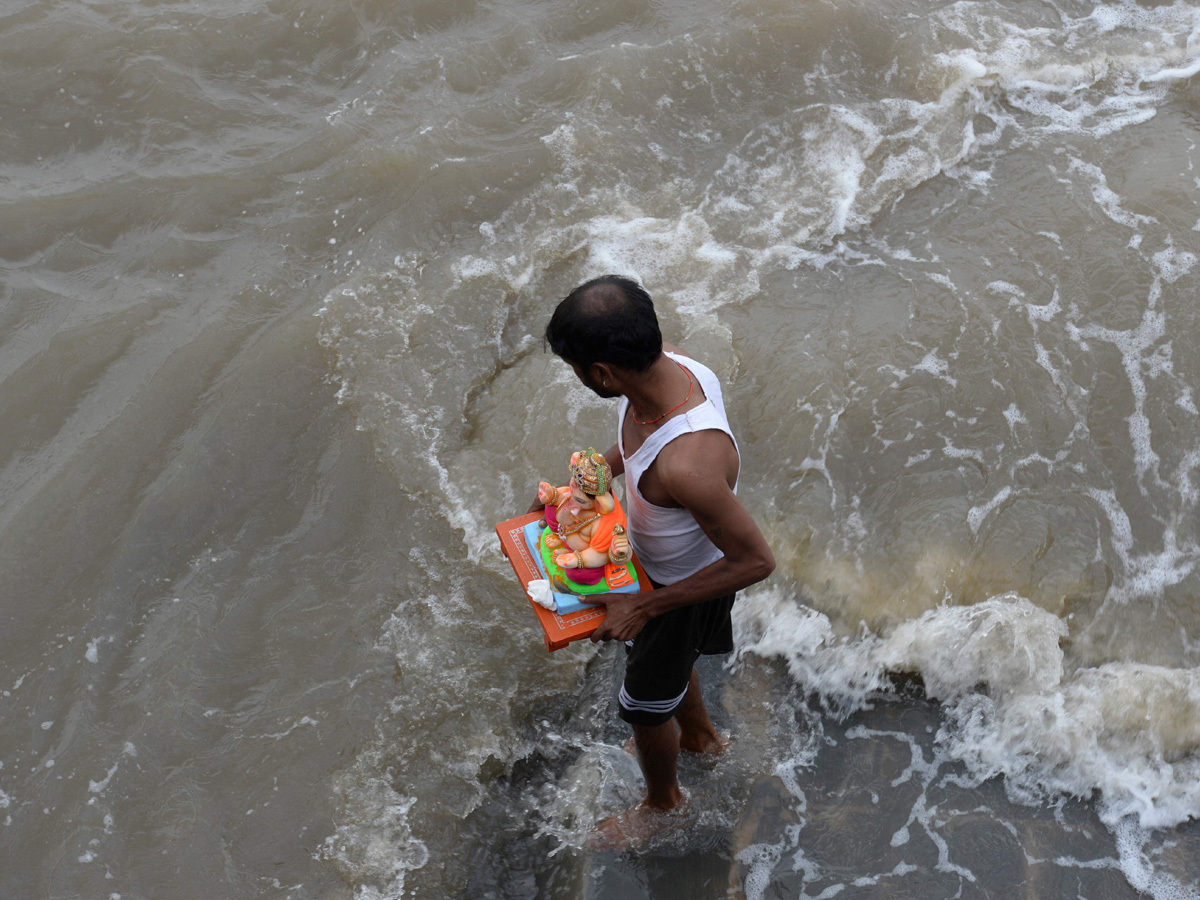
<point>649,706</point>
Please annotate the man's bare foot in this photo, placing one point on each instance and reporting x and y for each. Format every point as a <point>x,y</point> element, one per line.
<point>710,752</point>
<point>631,829</point>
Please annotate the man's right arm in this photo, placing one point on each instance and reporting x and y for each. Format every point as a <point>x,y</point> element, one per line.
<point>686,469</point>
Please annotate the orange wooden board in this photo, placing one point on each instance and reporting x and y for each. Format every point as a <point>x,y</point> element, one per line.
<point>559,630</point>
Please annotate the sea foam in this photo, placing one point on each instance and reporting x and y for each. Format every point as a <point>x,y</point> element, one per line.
<point>1127,734</point>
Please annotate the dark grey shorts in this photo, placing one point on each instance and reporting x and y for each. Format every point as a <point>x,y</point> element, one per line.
<point>658,665</point>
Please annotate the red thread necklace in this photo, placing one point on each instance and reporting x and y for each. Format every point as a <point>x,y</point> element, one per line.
<point>691,386</point>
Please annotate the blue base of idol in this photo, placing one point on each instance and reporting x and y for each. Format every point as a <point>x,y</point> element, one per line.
<point>567,603</point>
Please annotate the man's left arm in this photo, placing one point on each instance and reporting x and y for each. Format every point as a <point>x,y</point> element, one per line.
<point>702,489</point>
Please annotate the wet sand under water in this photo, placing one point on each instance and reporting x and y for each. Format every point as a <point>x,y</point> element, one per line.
<point>876,797</point>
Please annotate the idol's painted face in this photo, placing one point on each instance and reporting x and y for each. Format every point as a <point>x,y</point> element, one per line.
<point>580,498</point>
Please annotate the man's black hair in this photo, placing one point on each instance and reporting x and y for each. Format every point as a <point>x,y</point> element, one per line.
<point>609,319</point>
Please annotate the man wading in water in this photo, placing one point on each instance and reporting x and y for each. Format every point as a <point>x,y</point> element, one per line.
<point>694,538</point>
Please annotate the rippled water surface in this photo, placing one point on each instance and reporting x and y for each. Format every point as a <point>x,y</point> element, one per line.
<point>273,280</point>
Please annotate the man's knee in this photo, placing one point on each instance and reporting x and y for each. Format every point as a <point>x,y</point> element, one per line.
<point>656,744</point>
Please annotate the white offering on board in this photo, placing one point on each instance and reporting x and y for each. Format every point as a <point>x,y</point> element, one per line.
<point>540,593</point>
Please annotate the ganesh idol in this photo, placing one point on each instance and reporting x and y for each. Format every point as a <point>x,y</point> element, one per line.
<point>585,537</point>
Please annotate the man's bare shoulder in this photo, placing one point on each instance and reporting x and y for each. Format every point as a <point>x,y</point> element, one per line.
<point>671,348</point>
<point>697,457</point>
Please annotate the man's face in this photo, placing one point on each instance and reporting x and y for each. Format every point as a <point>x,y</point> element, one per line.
<point>592,384</point>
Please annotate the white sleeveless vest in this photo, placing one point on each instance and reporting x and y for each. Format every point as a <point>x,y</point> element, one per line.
<point>669,542</point>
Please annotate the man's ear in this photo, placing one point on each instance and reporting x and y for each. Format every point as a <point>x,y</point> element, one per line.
<point>602,372</point>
